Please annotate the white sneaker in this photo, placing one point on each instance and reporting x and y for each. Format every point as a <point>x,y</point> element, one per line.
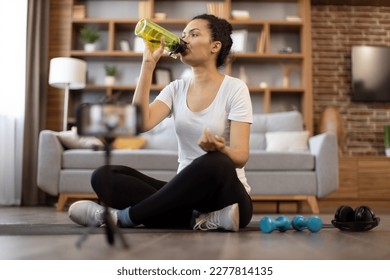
<point>90,214</point>
<point>227,219</point>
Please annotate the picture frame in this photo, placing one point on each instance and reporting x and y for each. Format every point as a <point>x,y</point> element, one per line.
<point>240,38</point>
<point>162,76</point>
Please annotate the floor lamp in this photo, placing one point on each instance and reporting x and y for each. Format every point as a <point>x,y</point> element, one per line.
<point>67,73</point>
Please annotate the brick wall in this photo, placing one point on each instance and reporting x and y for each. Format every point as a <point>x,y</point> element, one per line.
<point>335,29</point>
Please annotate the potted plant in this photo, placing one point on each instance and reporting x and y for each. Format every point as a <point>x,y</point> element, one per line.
<point>110,74</point>
<point>89,37</point>
<point>387,140</point>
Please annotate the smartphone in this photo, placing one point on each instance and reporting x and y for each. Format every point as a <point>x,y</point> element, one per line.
<point>108,120</point>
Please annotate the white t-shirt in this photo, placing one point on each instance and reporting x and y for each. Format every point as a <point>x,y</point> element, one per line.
<point>232,103</point>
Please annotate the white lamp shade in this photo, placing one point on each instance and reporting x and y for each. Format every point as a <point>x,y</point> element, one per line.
<point>67,71</point>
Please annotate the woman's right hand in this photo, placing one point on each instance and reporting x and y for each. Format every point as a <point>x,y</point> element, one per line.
<point>152,54</point>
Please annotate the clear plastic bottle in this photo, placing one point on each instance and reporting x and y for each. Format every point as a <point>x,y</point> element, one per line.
<point>152,33</point>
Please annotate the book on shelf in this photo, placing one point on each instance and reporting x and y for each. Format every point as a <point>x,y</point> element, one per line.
<point>240,14</point>
<point>293,18</point>
<point>239,38</point>
<point>217,9</point>
<point>144,9</point>
<point>261,43</point>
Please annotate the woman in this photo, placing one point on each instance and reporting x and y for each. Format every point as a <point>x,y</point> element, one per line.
<point>212,114</point>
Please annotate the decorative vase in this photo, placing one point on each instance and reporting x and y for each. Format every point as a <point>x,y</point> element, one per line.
<point>387,150</point>
<point>109,80</point>
<point>331,121</point>
<point>286,75</point>
<point>90,47</point>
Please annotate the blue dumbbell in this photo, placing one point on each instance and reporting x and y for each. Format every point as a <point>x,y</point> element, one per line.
<point>313,223</point>
<point>268,224</point>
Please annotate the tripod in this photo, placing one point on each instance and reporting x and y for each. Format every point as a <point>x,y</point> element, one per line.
<point>111,227</point>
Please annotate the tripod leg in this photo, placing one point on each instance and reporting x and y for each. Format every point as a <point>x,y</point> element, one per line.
<point>109,227</point>
<point>84,237</point>
<point>112,229</point>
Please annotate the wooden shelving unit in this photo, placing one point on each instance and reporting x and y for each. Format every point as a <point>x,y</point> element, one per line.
<point>264,63</point>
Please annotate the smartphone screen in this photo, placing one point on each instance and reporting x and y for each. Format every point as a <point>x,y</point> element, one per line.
<point>108,120</point>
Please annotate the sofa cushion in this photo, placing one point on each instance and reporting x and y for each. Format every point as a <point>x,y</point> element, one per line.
<point>75,181</point>
<point>129,143</point>
<point>289,141</point>
<point>282,183</point>
<point>281,121</point>
<point>71,140</point>
<point>138,159</point>
<point>162,136</point>
<point>277,161</point>
<point>285,121</point>
<point>258,130</point>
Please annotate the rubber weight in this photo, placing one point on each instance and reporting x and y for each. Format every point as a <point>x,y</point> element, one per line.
<point>313,223</point>
<point>269,224</point>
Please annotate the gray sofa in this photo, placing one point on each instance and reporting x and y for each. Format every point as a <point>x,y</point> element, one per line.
<point>297,175</point>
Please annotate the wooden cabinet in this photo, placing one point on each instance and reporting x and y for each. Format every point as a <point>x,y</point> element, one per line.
<point>364,180</point>
<point>276,60</point>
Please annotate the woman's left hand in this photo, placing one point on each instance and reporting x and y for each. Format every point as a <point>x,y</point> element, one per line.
<point>210,142</point>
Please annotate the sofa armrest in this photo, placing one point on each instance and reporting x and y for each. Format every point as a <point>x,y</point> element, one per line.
<point>49,162</point>
<point>324,148</point>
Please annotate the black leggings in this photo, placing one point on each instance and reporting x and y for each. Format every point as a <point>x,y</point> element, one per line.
<point>208,184</point>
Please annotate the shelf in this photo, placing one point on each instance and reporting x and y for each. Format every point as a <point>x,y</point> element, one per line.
<point>269,56</point>
<point>282,23</point>
<point>132,21</point>
<point>249,55</point>
<point>80,53</point>
<point>268,34</point>
<point>258,89</point>
<point>118,87</point>
<point>182,22</point>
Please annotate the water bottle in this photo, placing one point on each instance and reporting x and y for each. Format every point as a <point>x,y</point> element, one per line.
<point>152,33</point>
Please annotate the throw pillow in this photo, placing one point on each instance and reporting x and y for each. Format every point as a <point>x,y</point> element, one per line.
<point>290,141</point>
<point>71,140</point>
<point>129,143</point>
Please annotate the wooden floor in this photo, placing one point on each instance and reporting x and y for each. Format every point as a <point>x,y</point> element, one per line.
<point>328,244</point>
